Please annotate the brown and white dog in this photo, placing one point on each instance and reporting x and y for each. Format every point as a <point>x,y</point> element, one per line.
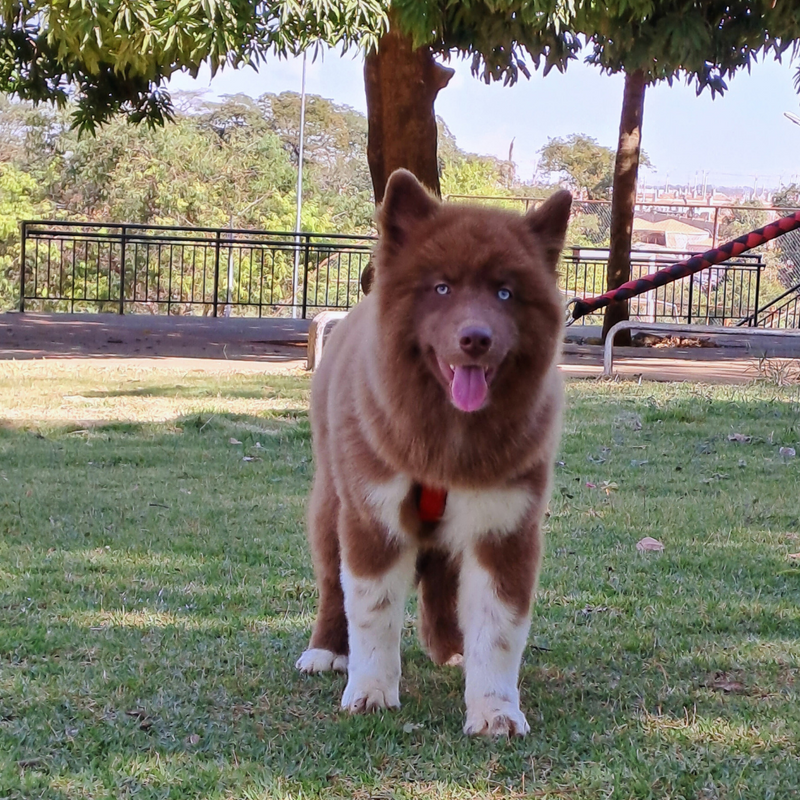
<point>436,416</point>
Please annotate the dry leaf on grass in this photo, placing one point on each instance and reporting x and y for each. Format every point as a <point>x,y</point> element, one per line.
<point>30,763</point>
<point>787,452</point>
<point>648,544</point>
<point>628,420</point>
<point>587,609</point>
<point>410,727</point>
<point>717,476</point>
<point>232,440</point>
<point>725,683</point>
<point>793,556</point>
<point>251,458</point>
<point>740,437</point>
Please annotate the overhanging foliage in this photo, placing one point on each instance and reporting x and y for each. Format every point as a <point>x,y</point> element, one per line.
<point>116,56</point>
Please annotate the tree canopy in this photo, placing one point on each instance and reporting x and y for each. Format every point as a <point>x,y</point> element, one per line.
<point>706,42</point>
<point>585,166</point>
<point>117,56</point>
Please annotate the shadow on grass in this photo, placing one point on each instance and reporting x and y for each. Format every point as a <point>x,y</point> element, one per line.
<point>247,386</point>
<point>221,711</point>
<point>156,589</point>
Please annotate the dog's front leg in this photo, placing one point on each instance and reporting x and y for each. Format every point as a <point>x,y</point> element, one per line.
<point>375,591</point>
<point>495,590</point>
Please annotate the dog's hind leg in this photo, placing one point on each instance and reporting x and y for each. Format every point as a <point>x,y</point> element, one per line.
<point>328,648</point>
<point>438,626</point>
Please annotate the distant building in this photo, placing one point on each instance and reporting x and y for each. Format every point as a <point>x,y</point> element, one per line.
<point>660,230</point>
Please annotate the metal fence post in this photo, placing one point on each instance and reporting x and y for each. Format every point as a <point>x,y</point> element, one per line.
<point>216,270</point>
<point>691,298</point>
<point>23,233</point>
<point>122,242</point>
<point>754,318</point>
<point>715,234</point>
<point>306,253</point>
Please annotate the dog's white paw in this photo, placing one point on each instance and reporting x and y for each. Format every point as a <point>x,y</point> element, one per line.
<point>369,694</point>
<point>317,660</point>
<point>495,716</point>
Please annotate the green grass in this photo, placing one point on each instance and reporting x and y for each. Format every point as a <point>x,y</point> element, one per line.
<point>155,590</point>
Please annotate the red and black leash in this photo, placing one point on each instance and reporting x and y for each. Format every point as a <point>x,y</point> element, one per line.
<point>582,307</point>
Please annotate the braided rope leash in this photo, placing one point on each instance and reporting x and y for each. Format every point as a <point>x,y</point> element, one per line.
<point>685,268</point>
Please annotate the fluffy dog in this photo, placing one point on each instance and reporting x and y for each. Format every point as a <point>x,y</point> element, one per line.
<point>435,417</point>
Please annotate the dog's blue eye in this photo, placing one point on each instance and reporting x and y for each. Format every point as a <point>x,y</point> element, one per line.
<point>442,288</point>
<point>504,294</point>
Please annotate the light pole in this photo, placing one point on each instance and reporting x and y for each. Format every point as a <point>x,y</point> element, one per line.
<point>297,223</point>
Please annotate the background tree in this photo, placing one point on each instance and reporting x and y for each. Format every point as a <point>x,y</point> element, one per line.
<point>705,43</point>
<point>787,196</point>
<point>223,162</point>
<point>403,79</point>
<point>18,200</point>
<point>579,162</point>
<point>118,56</point>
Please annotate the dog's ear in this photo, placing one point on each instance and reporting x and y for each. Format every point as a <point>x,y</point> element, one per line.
<point>549,223</point>
<point>405,204</point>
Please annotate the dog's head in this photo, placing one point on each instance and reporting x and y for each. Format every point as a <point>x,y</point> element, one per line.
<point>468,294</point>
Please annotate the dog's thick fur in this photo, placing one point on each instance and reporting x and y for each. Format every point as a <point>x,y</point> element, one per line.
<point>444,376</point>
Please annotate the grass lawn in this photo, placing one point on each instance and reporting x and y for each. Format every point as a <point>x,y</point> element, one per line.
<point>155,590</point>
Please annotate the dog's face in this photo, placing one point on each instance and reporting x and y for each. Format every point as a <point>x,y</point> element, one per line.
<point>469,294</point>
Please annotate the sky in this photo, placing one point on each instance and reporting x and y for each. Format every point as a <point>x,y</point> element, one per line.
<point>737,139</point>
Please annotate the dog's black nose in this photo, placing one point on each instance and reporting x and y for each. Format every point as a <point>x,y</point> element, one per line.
<point>475,340</point>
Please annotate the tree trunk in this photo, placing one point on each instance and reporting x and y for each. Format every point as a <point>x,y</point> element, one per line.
<point>401,85</point>
<point>623,198</point>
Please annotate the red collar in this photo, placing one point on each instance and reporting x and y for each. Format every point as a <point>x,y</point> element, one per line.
<point>431,503</point>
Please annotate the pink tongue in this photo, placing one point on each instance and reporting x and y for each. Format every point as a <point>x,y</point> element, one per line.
<point>469,388</point>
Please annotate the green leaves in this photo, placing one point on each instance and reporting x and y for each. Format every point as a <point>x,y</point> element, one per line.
<point>116,55</point>
<point>587,166</point>
<point>705,42</point>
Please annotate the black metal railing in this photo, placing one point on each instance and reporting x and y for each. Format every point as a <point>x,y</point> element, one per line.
<point>781,313</point>
<point>724,294</point>
<point>128,268</point>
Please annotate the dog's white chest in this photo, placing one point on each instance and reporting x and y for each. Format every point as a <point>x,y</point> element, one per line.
<point>468,515</point>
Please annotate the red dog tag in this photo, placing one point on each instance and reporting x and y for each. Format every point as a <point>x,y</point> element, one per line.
<point>431,504</point>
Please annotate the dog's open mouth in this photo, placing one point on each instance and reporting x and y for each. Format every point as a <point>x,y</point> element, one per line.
<point>469,384</point>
